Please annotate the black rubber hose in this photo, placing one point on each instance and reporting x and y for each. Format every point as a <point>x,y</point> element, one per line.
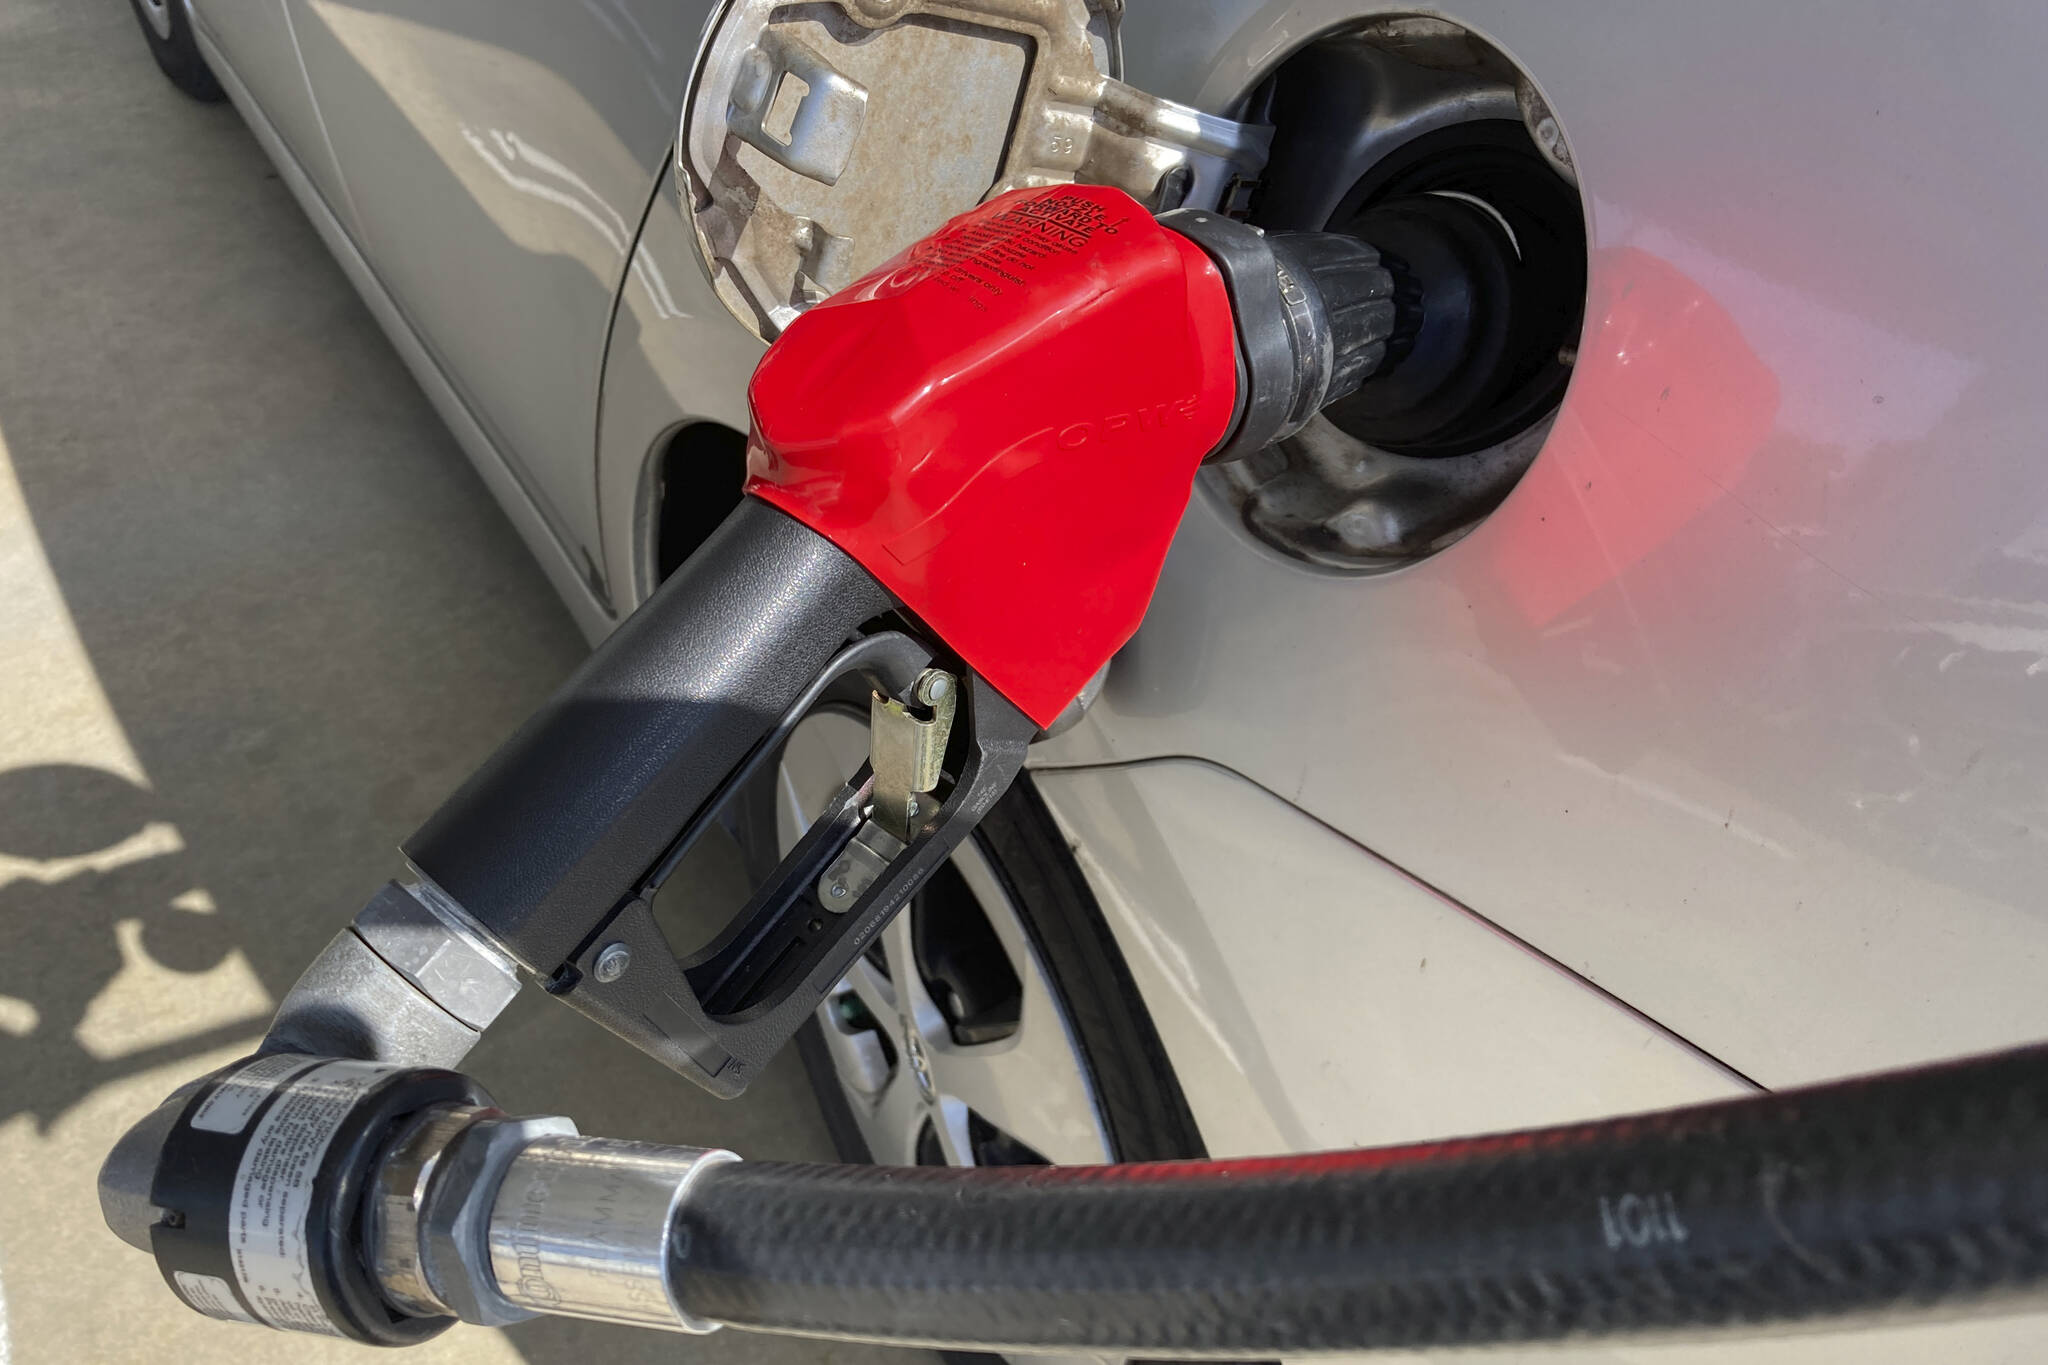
<point>1918,1189</point>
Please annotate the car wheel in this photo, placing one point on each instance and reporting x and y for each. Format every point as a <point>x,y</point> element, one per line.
<point>167,28</point>
<point>994,1021</point>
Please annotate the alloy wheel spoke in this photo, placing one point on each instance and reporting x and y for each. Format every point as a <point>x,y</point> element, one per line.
<point>899,1114</point>
<point>1030,1103</point>
<point>1031,1084</point>
<point>949,1117</point>
<point>913,1002</point>
<point>874,992</point>
<point>857,1053</point>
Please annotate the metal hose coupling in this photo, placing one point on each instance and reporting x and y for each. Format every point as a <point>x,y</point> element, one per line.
<point>583,1226</point>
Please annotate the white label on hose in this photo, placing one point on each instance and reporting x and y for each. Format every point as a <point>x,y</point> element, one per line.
<point>228,1108</point>
<point>210,1295</point>
<point>274,1188</point>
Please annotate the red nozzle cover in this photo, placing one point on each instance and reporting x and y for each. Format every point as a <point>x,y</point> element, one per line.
<point>1003,425</point>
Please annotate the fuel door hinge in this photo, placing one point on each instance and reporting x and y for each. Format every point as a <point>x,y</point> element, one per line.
<point>820,139</point>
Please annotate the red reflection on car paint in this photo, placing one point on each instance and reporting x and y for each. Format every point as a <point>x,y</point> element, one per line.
<point>1668,405</point>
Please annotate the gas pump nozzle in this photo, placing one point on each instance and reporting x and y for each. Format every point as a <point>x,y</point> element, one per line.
<point>985,446</point>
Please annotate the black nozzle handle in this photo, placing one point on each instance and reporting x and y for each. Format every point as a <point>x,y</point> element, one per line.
<point>555,830</point>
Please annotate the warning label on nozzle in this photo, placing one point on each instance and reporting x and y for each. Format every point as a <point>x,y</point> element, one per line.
<point>234,1100</point>
<point>989,254</point>
<point>1070,218</point>
<point>273,1191</point>
<point>210,1295</point>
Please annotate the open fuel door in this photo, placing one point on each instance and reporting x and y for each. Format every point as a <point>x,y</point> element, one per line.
<point>819,139</point>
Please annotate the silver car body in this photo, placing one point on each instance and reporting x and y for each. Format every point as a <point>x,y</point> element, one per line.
<point>1713,759</point>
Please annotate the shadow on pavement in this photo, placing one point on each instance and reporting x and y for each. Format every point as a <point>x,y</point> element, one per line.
<point>299,621</point>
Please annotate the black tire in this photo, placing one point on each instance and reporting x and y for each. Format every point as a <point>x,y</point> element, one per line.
<point>178,56</point>
<point>1143,1108</point>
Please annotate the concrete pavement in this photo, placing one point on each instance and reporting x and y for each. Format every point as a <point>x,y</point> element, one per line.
<point>257,615</point>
